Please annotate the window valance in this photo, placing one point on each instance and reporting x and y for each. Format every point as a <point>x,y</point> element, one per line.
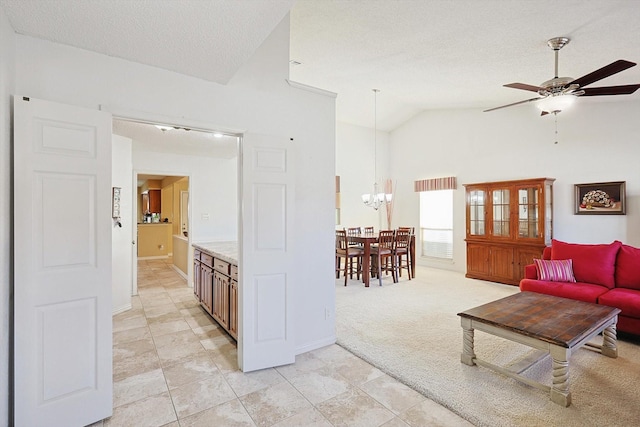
<point>447,183</point>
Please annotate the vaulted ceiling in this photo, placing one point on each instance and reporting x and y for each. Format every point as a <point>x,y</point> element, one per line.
<point>422,55</point>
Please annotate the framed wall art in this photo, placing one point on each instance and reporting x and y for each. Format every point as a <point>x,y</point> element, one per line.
<point>602,198</point>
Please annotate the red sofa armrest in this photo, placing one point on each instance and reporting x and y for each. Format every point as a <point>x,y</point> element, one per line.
<point>530,272</point>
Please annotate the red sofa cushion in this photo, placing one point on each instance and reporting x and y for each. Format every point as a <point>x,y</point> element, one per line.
<point>579,291</point>
<point>627,300</point>
<point>628,267</point>
<point>591,263</point>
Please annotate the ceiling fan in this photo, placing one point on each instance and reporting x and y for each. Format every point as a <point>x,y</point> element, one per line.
<point>560,92</point>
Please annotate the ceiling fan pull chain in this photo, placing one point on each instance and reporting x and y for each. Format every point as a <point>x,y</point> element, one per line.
<point>555,113</point>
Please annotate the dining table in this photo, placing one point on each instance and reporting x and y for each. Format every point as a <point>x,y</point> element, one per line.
<point>366,239</point>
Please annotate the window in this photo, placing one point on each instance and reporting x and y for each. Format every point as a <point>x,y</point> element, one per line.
<point>436,223</point>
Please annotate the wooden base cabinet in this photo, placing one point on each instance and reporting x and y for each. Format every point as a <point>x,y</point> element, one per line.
<point>508,223</point>
<point>214,288</point>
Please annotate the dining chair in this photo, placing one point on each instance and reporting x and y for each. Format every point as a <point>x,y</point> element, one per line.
<point>401,249</point>
<point>343,250</point>
<point>368,230</point>
<point>382,253</point>
<point>353,231</point>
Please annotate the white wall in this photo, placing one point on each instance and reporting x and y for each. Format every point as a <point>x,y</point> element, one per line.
<point>121,247</point>
<point>597,142</point>
<point>7,79</point>
<point>355,166</point>
<point>74,76</point>
<point>212,188</point>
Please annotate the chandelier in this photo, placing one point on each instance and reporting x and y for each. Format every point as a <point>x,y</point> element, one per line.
<point>375,199</point>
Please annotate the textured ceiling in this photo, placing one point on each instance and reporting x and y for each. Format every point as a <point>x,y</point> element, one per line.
<point>209,39</point>
<point>421,54</point>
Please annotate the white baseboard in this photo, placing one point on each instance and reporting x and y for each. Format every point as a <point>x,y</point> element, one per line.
<point>182,273</point>
<point>153,257</point>
<point>316,345</point>
<point>121,309</point>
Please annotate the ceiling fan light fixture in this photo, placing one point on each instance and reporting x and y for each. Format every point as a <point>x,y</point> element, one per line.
<point>556,103</point>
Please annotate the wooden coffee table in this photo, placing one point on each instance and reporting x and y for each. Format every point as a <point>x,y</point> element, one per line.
<point>556,325</point>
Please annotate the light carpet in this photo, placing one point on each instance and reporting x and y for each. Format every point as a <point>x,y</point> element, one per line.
<point>411,331</point>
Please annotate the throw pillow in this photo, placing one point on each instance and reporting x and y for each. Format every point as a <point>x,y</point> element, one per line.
<point>560,270</point>
<point>628,267</point>
<point>591,263</point>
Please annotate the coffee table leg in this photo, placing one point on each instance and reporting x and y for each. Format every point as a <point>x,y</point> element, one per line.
<point>468,354</point>
<point>560,393</point>
<point>609,339</point>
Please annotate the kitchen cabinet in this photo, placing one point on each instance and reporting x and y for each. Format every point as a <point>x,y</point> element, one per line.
<point>508,223</point>
<point>155,199</point>
<point>215,286</point>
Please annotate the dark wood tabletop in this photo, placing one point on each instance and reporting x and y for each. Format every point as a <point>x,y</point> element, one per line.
<point>556,320</point>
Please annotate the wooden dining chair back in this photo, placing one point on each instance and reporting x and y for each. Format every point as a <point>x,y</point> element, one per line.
<point>353,231</point>
<point>401,250</point>
<point>343,250</point>
<point>368,230</point>
<point>384,252</point>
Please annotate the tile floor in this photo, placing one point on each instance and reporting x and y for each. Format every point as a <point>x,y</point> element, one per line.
<point>173,366</point>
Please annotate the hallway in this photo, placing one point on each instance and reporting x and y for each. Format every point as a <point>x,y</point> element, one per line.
<point>173,366</point>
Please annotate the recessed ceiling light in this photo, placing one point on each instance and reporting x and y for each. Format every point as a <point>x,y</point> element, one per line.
<point>164,128</point>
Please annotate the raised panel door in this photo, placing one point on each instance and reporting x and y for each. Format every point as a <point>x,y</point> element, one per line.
<point>196,279</point>
<point>525,256</point>
<point>477,259</point>
<point>206,290</point>
<point>154,201</point>
<point>502,265</point>
<point>233,309</point>
<point>221,300</point>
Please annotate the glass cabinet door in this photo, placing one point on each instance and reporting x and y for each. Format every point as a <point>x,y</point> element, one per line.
<point>501,213</point>
<point>476,212</point>
<point>528,213</point>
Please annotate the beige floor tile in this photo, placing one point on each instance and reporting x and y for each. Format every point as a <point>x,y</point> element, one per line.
<point>392,394</point>
<point>124,324</point>
<point>321,384</point>
<point>129,335</point>
<point>309,418</point>
<point>230,414</point>
<point>226,359</point>
<point>138,387</point>
<point>397,422</point>
<point>134,365</point>
<point>199,320</point>
<point>356,370</point>
<point>172,354</point>
<point>332,354</point>
<point>209,331</point>
<point>152,411</point>
<point>164,328</point>
<point>132,348</point>
<point>305,362</point>
<point>273,404</point>
<point>194,397</point>
<point>429,413</point>
<point>190,370</point>
<point>244,383</point>
<point>355,408</point>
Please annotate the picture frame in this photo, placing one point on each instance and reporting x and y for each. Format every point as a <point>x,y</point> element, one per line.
<point>600,198</point>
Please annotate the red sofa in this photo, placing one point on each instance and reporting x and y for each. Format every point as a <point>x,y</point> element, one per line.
<point>604,274</point>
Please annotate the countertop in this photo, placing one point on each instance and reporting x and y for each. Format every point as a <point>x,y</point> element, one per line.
<point>154,223</point>
<point>226,251</point>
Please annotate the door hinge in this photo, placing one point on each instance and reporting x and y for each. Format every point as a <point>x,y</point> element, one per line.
<point>25,98</point>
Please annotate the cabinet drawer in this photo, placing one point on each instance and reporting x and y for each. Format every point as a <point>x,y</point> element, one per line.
<point>196,254</point>
<point>221,266</point>
<point>206,259</point>
<point>234,272</point>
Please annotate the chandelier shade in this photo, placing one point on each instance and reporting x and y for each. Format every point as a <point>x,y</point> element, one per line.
<point>556,103</point>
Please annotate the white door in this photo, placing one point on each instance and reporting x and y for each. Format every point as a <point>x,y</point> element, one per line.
<point>62,264</point>
<point>265,293</point>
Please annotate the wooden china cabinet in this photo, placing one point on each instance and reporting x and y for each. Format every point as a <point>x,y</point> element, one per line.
<point>508,224</point>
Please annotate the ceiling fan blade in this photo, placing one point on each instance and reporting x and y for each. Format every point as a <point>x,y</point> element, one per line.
<point>524,86</point>
<point>511,105</point>
<point>544,113</point>
<point>606,71</point>
<point>610,90</point>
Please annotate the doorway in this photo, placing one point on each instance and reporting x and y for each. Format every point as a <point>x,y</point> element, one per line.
<point>180,165</point>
